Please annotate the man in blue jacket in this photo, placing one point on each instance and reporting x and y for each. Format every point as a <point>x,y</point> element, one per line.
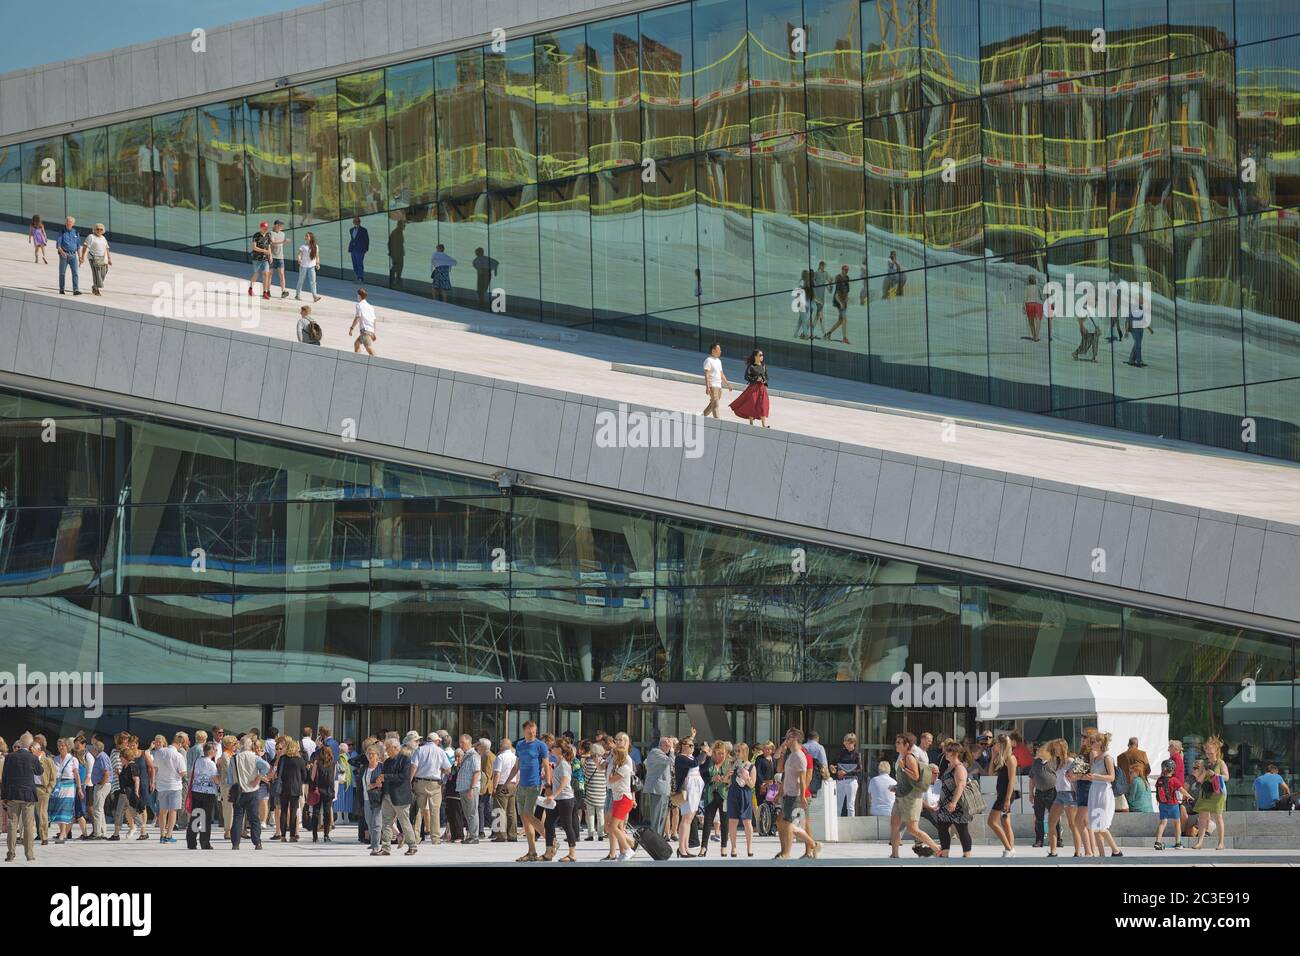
<point>358,246</point>
<point>69,246</point>
<point>18,790</point>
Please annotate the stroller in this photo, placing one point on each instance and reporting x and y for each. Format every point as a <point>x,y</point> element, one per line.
<point>765,819</point>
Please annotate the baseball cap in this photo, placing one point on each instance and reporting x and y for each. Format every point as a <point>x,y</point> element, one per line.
<point>262,225</point>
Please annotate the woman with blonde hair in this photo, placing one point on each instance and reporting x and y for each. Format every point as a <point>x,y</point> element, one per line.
<point>622,801</point>
<point>1077,776</point>
<point>1213,800</point>
<point>289,772</point>
<point>1058,761</point>
<point>740,799</point>
<point>690,787</point>
<point>1003,763</point>
<point>1101,795</point>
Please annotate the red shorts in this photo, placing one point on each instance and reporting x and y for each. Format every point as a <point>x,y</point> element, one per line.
<point>1033,310</point>
<point>622,808</point>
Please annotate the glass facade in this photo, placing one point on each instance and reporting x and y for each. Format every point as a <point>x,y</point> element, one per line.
<point>162,554</point>
<point>678,175</point>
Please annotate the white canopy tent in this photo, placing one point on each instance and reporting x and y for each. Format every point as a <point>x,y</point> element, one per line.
<point>1123,707</point>
<point>1262,704</point>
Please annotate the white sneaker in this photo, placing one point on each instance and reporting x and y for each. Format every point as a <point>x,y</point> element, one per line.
<point>631,854</point>
<point>1008,853</point>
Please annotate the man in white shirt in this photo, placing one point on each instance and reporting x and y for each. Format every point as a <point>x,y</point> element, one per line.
<point>308,744</point>
<point>431,765</point>
<point>503,797</point>
<point>880,792</point>
<point>365,317</point>
<point>277,254</point>
<point>169,780</point>
<point>714,379</point>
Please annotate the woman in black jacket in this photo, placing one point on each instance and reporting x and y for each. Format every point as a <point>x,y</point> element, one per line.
<point>290,771</point>
<point>322,785</point>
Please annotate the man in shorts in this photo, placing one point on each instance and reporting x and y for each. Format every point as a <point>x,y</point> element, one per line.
<point>278,241</point>
<point>532,769</point>
<point>365,317</point>
<point>261,248</point>
<point>796,777</point>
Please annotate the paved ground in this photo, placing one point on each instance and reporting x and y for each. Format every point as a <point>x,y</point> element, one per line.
<point>345,851</point>
<point>419,330</point>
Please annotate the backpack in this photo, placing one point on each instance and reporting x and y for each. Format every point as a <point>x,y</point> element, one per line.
<point>1166,792</point>
<point>1119,786</point>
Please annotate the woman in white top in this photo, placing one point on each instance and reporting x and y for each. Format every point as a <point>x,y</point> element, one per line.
<point>565,813</point>
<point>1101,796</point>
<point>692,789</point>
<point>1058,758</point>
<point>100,257</point>
<point>308,265</point>
<point>621,800</point>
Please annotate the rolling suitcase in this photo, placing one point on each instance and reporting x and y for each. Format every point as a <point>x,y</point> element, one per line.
<point>653,843</point>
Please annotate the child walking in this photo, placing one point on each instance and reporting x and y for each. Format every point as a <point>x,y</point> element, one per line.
<point>1167,797</point>
<point>36,236</point>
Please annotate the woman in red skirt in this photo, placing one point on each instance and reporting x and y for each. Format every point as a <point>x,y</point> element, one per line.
<point>753,402</point>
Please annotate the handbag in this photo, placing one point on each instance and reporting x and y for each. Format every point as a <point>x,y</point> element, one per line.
<point>972,800</point>
<point>313,793</point>
<point>678,798</point>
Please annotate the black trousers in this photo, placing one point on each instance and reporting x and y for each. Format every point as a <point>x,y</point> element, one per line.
<point>199,830</point>
<point>1043,800</point>
<point>963,834</point>
<point>289,815</point>
<point>714,808</point>
<point>565,817</point>
<point>321,815</point>
<point>455,816</point>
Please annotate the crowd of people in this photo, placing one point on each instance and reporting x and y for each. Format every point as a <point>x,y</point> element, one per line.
<point>408,790</point>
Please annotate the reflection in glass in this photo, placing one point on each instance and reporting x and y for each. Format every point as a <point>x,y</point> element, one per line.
<point>586,635</point>
<point>780,213</point>
<point>363,145</point>
<point>776,70</point>
<point>670,236</point>
<point>1068,39</point>
<point>958,324</point>
<point>1012,139</point>
<point>431,543</point>
<point>149,461</point>
<point>725,227</point>
<point>614,93</point>
<point>950,51</point>
<point>303,546</point>
<point>269,153</point>
<point>176,190</point>
<point>86,175</point>
<point>440,635</point>
<point>513,232</point>
<point>1146,258</point>
<point>1136,32</point>
<point>891,56</point>
<point>511,98</point>
<point>412,171</point>
<point>34,471</point>
<point>167,639</point>
<point>564,224</point>
<point>833,62</point>
<point>559,542</point>
<point>1028,632</point>
<point>561,64</point>
<point>1018,366</point>
<point>1137,143</point>
<point>1081,368</point>
<point>667,82</point>
<point>314,136</point>
<point>43,180</point>
<point>1268,123</point>
<point>954,214</point>
<point>894,209</point>
<point>154,549</point>
<point>1074,160</point>
<point>11,181</point>
<point>314,637</point>
<point>617,273</point>
<point>131,166</point>
<point>721,74</point>
<point>461,124</point>
<point>222,191</point>
<point>49,551</point>
<point>732,634</point>
<point>462,228</point>
<point>1204,150</point>
<point>1209,305</point>
<point>1010,52</point>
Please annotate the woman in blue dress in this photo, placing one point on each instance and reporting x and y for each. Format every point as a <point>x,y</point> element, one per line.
<point>441,264</point>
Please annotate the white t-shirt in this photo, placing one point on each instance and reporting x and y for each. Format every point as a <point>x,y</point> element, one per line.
<point>880,798</point>
<point>277,245</point>
<point>504,763</point>
<point>920,755</point>
<point>932,794</point>
<point>305,259</point>
<point>620,781</point>
<point>713,372</point>
<point>96,246</point>
<point>366,313</point>
<point>169,766</point>
<point>308,747</point>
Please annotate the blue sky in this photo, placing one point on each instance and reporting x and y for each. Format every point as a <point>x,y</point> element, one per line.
<point>42,32</point>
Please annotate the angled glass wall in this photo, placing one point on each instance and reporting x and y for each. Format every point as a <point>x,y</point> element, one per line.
<point>690,172</point>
